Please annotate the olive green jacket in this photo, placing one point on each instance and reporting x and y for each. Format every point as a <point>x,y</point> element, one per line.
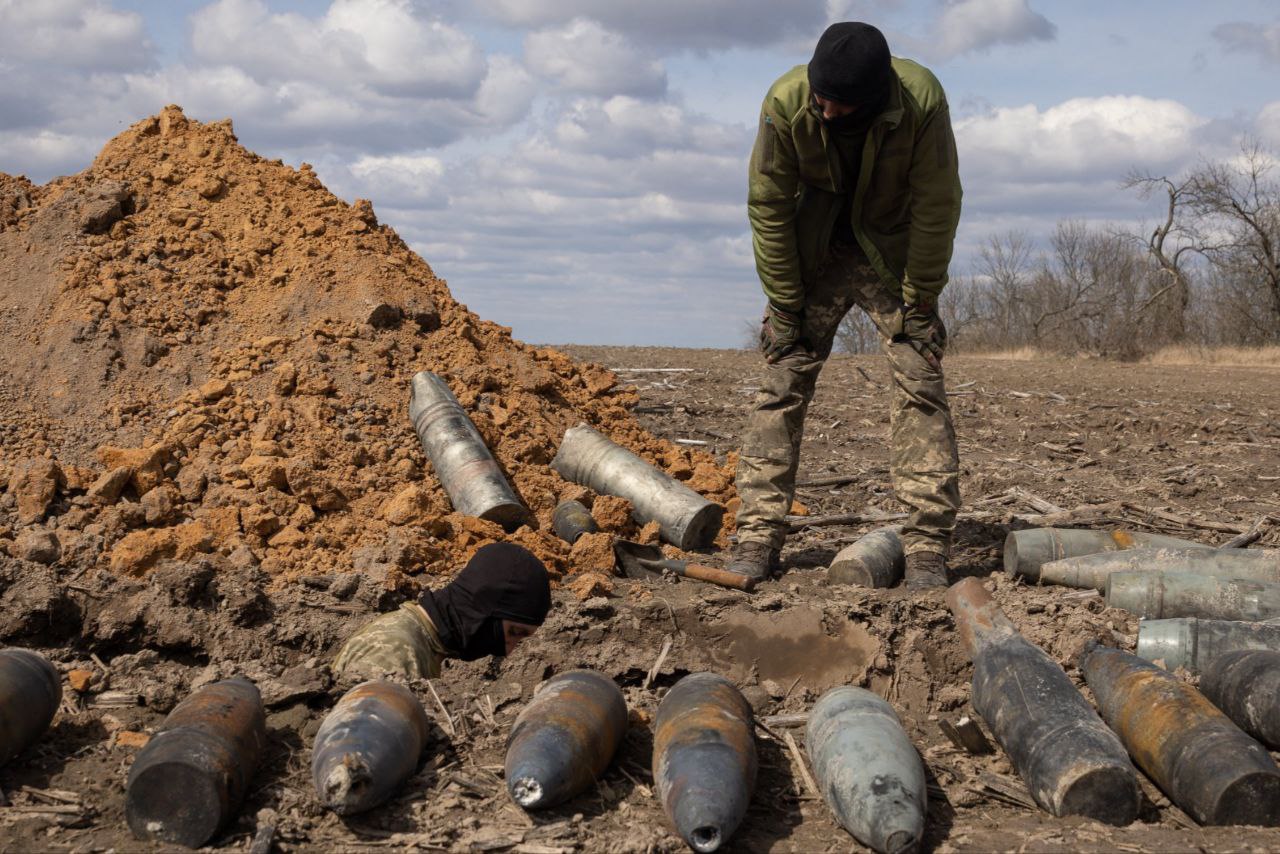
<point>906,204</point>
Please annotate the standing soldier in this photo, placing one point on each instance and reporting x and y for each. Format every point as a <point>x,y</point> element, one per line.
<point>854,198</point>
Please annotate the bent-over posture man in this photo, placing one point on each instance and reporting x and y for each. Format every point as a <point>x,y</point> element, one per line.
<point>854,199</point>
<point>498,599</point>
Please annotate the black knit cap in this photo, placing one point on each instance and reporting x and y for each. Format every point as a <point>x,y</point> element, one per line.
<point>850,65</point>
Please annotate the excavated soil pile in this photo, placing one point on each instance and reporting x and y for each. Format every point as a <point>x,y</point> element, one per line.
<point>209,353</point>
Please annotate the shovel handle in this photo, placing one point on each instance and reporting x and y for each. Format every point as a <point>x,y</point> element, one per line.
<point>722,577</point>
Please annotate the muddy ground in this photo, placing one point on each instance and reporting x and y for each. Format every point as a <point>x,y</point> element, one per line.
<point>1193,451</point>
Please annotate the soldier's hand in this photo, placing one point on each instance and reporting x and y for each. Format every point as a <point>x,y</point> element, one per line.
<point>922,326</point>
<point>779,333</point>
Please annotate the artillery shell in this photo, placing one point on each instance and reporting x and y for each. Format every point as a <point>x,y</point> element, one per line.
<point>367,746</point>
<point>30,691</point>
<point>1092,570</point>
<point>1245,685</point>
<point>1026,551</point>
<point>875,560</point>
<point>1070,761</point>
<point>704,759</point>
<point>565,738</point>
<point>1202,761</point>
<point>571,519</point>
<point>867,769</point>
<point>190,778</point>
<point>1194,644</point>
<point>1153,595</point>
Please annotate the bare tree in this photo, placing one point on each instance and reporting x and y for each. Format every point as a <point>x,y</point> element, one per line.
<point>1173,239</point>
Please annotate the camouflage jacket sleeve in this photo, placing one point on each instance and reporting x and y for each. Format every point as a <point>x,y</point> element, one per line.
<point>935,209</point>
<point>774,178</point>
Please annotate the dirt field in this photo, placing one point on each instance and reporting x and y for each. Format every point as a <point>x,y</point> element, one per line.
<point>1198,445</point>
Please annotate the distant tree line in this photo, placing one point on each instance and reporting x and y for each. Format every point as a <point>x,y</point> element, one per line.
<point>1207,275</point>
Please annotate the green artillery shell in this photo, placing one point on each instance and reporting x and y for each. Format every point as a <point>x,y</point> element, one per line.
<point>571,519</point>
<point>1194,644</point>
<point>704,759</point>
<point>190,778</point>
<point>1026,551</point>
<point>30,691</point>
<point>1070,761</point>
<point>367,746</point>
<point>1092,570</point>
<point>1154,595</point>
<point>875,560</point>
<point>1205,764</point>
<point>565,738</point>
<point>1245,685</point>
<point>867,769</point>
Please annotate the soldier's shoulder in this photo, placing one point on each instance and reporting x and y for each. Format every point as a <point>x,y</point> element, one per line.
<point>789,93</point>
<point>920,82</point>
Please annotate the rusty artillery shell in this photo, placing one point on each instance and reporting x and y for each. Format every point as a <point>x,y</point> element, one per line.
<point>190,778</point>
<point>565,738</point>
<point>1093,570</point>
<point>704,759</point>
<point>1194,644</point>
<point>1245,685</point>
<point>875,560</point>
<point>684,517</point>
<point>867,769</point>
<point>467,471</point>
<point>1154,595</point>
<point>1205,764</point>
<point>1026,551</point>
<point>571,519</point>
<point>1070,761</point>
<point>30,691</point>
<point>367,746</point>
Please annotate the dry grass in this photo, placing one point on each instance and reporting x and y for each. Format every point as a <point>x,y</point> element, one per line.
<point>1019,354</point>
<point>1245,356</point>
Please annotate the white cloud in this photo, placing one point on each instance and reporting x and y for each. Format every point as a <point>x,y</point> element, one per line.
<point>80,34</point>
<point>1262,39</point>
<point>971,25</point>
<point>1268,125</point>
<point>583,56</point>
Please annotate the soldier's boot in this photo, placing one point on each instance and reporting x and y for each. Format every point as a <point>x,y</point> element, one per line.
<point>754,560</point>
<point>926,570</point>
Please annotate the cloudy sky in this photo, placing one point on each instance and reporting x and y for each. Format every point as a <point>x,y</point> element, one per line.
<point>576,168</point>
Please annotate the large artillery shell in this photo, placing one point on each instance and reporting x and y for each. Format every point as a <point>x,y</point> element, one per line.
<point>875,560</point>
<point>190,778</point>
<point>367,746</point>
<point>30,691</point>
<point>467,471</point>
<point>1194,644</point>
<point>1154,595</point>
<point>684,517</point>
<point>571,519</point>
<point>1026,551</point>
<point>867,769</point>
<point>1245,685</point>
<point>1093,570</point>
<point>1070,761</point>
<point>1203,762</point>
<point>565,738</point>
<point>704,759</point>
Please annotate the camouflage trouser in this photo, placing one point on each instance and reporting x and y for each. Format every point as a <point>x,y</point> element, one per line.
<point>924,464</point>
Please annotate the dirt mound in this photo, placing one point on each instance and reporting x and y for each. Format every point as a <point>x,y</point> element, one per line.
<point>209,353</point>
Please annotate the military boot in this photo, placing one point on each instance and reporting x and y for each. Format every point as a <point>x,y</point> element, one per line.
<point>926,570</point>
<point>754,560</point>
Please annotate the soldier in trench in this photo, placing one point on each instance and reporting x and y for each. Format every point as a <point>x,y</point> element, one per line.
<point>853,198</point>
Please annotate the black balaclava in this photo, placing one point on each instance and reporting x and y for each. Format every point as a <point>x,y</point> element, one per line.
<point>501,581</point>
<point>851,65</point>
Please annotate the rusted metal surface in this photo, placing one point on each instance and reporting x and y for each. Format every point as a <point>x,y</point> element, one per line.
<point>466,469</point>
<point>1194,644</point>
<point>1093,570</point>
<point>30,691</point>
<point>867,769</point>
<point>684,517</point>
<point>704,759</point>
<point>193,773</point>
<point>1245,685</point>
<point>1206,764</point>
<point>875,560</point>
<point>367,746</point>
<point>1026,551</point>
<point>571,519</point>
<point>1070,761</point>
<point>1157,595</point>
<point>565,738</point>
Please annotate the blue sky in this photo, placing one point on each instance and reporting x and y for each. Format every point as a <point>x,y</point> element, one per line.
<point>576,168</point>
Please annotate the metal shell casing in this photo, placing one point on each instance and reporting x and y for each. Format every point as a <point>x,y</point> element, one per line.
<point>1194,644</point>
<point>1245,685</point>
<point>875,560</point>
<point>1026,551</point>
<point>30,692</point>
<point>1087,571</point>
<point>1157,595</point>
